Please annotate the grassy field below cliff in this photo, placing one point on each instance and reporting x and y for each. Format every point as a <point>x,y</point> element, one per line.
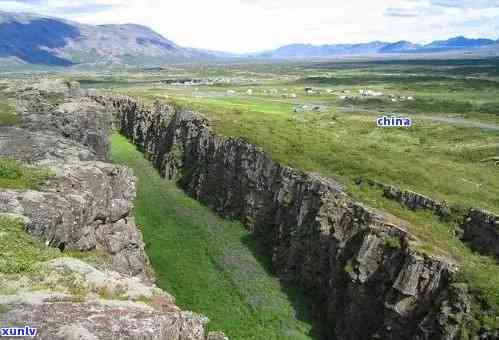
<point>316,117</point>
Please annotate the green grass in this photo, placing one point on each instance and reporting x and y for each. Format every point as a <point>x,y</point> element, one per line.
<point>19,251</point>
<point>16,175</point>
<point>439,159</point>
<point>212,266</point>
<point>8,115</point>
<point>348,145</point>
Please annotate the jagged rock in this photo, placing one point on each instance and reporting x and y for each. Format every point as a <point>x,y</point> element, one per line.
<point>477,227</point>
<point>452,316</point>
<point>319,237</point>
<point>111,282</point>
<point>87,204</point>
<point>107,306</point>
<point>481,231</point>
<point>79,119</point>
<point>103,320</point>
<point>40,148</point>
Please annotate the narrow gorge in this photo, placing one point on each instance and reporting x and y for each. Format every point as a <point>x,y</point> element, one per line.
<point>369,277</point>
<point>87,274</point>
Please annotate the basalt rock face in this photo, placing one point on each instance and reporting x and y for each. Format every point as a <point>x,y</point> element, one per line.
<point>481,231</point>
<point>478,228</point>
<point>63,320</point>
<point>86,205</point>
<point>41,148</point>
<point>71,116</point>
<point>410,199</point>
<point>369,281</point>
<point>57,314</point>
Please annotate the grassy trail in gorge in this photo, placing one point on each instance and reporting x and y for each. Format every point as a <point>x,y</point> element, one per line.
<point>213,266</point>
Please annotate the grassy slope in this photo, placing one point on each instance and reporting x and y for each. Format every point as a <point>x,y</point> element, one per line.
<point>15,175</point>
<point>352,153</point>
<point>440,160</point>
<point>20,252</point>
<point>211,265</point>
<point>436,159</point>
<point>7,113</point>
<point>348,145</point>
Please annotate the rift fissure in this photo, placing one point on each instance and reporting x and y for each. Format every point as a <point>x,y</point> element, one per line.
<point>370,280</point>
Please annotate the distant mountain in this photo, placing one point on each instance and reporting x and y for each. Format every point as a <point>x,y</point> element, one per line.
<point>28,38</point>
<point>400,47</point>
<point>458,45</point>
<point>312,51</point>
<point>34,39</point>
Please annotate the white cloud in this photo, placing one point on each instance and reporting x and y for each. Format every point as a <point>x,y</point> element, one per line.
<point>248,25</point>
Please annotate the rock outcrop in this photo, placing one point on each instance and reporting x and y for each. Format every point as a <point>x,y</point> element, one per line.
<point>478,228</point>
<point>76,118</point>
<point>370,280</point>
<point>85,206</point>
<point>481,231</point>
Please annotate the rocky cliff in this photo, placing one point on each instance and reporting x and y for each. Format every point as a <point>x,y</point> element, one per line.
<point>363,266</point>
<point>84,207</point>
<point>478,228</point>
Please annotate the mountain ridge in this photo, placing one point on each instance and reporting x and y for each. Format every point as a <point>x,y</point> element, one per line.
<point>32,39</point>
<point>455,44</point>
<point>27,38</point>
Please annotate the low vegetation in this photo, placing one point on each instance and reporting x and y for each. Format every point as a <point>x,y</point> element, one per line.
<point>8,114</point>
<point>19,251</point>
<point>448,153</point>
<point>16,175</point>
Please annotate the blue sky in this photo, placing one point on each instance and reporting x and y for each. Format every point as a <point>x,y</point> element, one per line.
<point>250,25</point>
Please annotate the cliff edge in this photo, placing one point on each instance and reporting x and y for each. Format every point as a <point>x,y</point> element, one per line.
<point>72,263</point>
<point>370,278</point>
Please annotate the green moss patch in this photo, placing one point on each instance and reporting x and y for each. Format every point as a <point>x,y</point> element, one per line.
<point>8,114</point>
<point>16,175</point>
<point>19,251</point>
